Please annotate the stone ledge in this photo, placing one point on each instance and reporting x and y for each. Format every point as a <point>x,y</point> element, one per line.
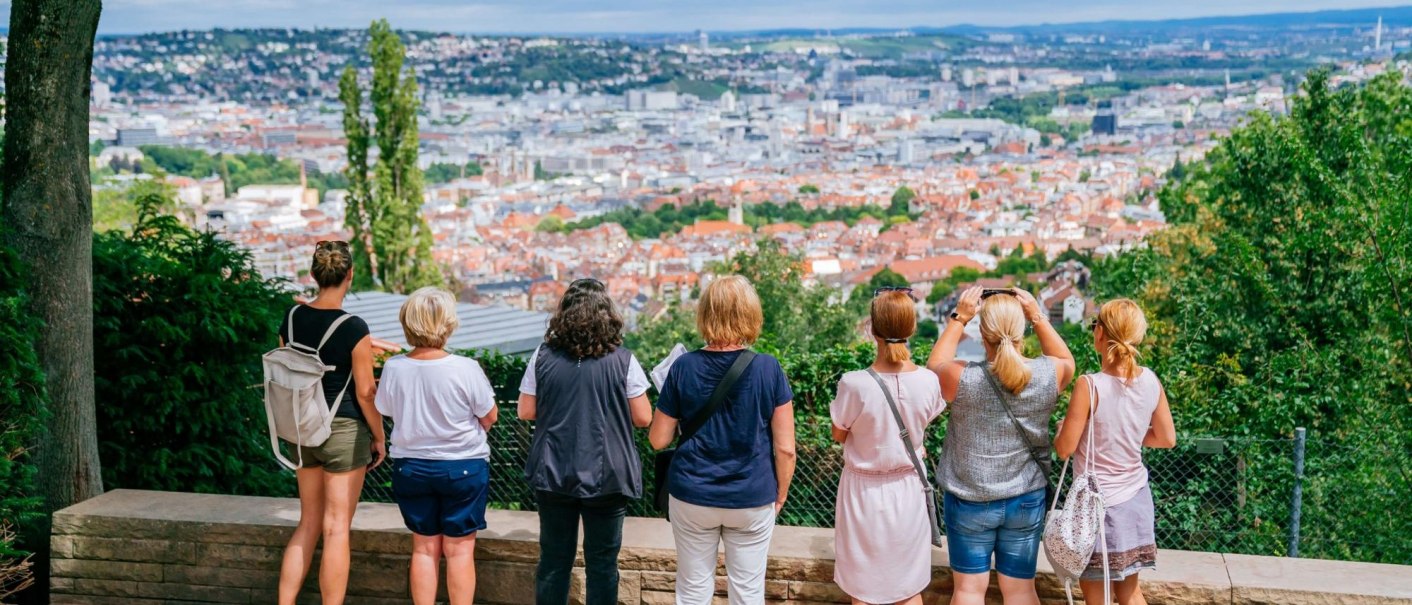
<point>136,547</point>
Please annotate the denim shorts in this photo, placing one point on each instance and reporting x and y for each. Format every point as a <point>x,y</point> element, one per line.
<point>441,497</point>
<point>1010,529</point>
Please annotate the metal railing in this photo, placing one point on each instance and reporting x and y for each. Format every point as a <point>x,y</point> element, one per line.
<point>1295,497</point>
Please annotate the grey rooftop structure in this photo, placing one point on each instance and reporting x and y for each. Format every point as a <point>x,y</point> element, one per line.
<point>500,328</point>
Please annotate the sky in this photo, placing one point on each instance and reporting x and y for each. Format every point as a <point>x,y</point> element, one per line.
<point>634,16</point>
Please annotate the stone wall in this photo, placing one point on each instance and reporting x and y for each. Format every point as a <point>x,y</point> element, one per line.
<point>150,548</point>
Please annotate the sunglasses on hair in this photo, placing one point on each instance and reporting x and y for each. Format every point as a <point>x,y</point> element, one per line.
<point>989,292</point>
<point>885,289</point>
<point>331,243</point>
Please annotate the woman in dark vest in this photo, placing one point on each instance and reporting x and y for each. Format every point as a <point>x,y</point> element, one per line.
<point>585,393</point>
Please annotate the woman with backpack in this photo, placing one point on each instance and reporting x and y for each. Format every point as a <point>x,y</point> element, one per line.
<point>882,544</point>
<point>994,466</point>
<point>1130,412</point>
<point>331,475</point>
<point>729,479</point>
<point>585,394</point>
<point>442,406</point>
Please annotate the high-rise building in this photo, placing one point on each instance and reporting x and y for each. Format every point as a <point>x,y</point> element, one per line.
<point>1378,36</point>
<point>1105,121</point>
<point>133,137</point>
<point>703,41</point>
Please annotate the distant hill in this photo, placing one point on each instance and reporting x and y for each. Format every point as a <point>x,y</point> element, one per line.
<point>1397,15</point>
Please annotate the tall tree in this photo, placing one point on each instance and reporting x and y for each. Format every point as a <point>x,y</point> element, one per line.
<point>390,206</point>
<point>48,220</point>
<point>357,215</point>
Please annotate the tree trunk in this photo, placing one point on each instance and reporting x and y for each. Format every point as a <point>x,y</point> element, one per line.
<point>48,219</point>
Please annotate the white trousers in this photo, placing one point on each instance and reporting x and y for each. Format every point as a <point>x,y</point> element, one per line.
<point>699,530</point>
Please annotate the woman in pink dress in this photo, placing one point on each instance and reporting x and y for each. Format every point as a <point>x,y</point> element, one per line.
<point>882,544</point>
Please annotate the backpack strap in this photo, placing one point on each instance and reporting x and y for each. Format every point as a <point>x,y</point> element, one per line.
<point>331,329</point>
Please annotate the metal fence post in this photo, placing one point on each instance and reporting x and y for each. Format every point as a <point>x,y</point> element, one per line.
<point>1296,503</point>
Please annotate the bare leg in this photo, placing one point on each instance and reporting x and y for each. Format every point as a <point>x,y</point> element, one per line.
<point>299,554</point>
<point>341,492</point>
<point>1093,591</point>
<point>1018,592</point>
<point>461,569</point>
<point>1128,591</point>
<point>426,557</point>
<point>969,588</point>
<point>915,600</point>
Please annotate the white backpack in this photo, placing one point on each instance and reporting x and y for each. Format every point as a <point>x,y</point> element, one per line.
<point>295,405</point>
<point>1072,533</point>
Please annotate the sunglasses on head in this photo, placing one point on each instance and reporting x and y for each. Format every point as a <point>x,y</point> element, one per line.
<point>989,292</point>
<point>885,289</point>
<point>331,243</point>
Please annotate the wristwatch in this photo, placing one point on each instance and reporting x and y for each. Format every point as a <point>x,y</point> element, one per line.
<point>957,316</point>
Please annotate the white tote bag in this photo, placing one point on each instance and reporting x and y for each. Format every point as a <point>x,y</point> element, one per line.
<point>1072,533</point>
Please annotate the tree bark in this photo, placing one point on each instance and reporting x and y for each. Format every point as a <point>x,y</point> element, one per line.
<point>48,219</point>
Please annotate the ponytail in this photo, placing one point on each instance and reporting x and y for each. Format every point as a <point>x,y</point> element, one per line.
<point>896,352</point>
<point>1124,327</point>
<point>893,316</point>
<point>1002,327</point>
<point>1010,367</point>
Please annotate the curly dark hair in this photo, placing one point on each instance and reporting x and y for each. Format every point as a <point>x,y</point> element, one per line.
<point>587,325</point>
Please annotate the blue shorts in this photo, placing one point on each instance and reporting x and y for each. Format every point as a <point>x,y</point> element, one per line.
<point>1009,529</point>
<point>441,497</point>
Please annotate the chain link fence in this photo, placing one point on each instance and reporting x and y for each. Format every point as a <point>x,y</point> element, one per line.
<point>1216,494</point>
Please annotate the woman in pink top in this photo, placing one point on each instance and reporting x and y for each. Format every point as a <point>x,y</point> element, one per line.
<point>1130,413</point>
<point>882,543</point>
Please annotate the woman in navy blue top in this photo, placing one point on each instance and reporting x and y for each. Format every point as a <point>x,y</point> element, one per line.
<point>730,480</point>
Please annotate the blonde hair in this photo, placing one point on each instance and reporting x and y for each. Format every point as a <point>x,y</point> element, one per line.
<point>894,319</point>
<point>429,318</point>
<point>1003,327</point>
<point>729,312</point>
<point>1124,327</point>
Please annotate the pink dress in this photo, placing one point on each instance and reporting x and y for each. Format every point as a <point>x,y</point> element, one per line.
<point>882,539</point>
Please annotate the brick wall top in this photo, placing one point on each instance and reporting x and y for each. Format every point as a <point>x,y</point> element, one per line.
<point>138,547</point>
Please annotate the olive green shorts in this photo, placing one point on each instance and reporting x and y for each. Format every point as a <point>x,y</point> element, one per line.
<point>349,447</point>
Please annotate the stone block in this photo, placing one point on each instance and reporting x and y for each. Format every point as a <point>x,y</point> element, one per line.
<point>106,570</point>
<point>61,547</point>
<point>823,592</point>
<point>236,556</point>
<point>658,597</point>
<point>104,588</point>
<point>659,580</point>
<point>188,592</point>
<point>504,583</point>
<point>139,550</point>
<point>68,599</point>
<point>218,576</point>
<point>800,570</point>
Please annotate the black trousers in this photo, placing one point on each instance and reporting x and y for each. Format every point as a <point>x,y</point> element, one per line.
<point>558,542</point>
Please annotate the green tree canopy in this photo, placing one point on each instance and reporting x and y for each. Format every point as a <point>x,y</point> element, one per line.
<point>901,201</point>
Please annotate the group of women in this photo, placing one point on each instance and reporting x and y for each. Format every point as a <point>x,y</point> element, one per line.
<point>730,474</point>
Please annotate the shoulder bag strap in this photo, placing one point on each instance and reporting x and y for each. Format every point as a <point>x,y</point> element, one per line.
<point>289,326</point>
<point>718,396</point>
<point>1024,437</point>
<point>911,448</point>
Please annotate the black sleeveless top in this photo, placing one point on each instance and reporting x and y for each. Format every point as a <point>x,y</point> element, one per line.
<point>309,326</point>
<point>583,434</point>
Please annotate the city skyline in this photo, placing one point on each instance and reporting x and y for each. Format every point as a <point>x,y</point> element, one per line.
<point>646,16</point>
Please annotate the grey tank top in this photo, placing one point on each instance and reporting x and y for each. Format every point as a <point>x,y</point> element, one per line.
<point>984,458</point>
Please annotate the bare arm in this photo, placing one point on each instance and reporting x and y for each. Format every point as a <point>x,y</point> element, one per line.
<point>640,409</point>
<point>782,431</point>
<point>366,389</point>
<point>526,408</point>
<point>489,419</point>
<point>1163,433</point>
<point>943,356</point>
<point>1071,429</point>
<point>662,431</point>
<point>1050,343</point>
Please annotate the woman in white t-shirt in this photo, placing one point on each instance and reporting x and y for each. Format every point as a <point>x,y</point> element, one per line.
<point>441,406</point>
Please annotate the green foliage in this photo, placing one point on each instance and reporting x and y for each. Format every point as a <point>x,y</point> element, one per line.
<point>181,319</point>
<point>887,278</point>
<point>445,173</point>
<point>237,170</point>
<point>669,219</point>
<point>808,189</point>
<point>1279,299</point>
<point>944,288</point>
<point>22,412</point>
<point>392,238</point>
<point>550,224</point>
<point>118,208</point>
<point>901,201</point>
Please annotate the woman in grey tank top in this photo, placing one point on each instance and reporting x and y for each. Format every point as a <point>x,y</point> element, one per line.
<point>996,436</point>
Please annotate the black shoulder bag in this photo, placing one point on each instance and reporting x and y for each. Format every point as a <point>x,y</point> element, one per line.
<point>927,491</point>
<point>662,464</point>
<point>1045,466</point>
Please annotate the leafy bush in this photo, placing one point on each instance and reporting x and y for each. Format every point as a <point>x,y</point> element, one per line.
<point>22,405</point>
<point>181,319</point>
